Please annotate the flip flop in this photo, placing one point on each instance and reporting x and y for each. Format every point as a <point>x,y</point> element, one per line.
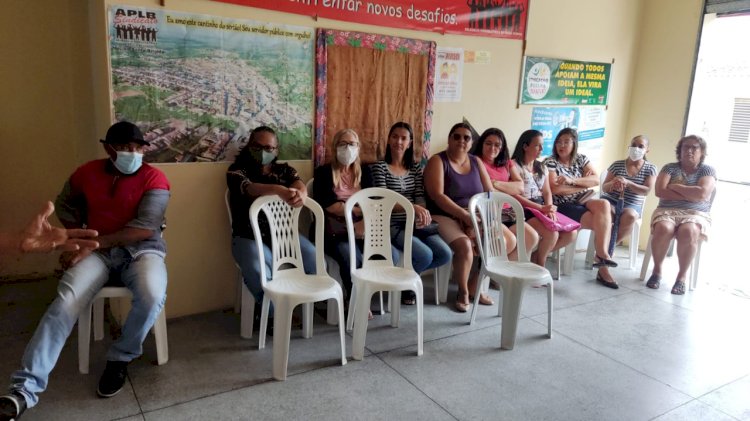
<point>654,281</point>
<point>678,288</point>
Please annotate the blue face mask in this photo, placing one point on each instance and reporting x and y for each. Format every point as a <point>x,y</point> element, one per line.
<point>128,162</point>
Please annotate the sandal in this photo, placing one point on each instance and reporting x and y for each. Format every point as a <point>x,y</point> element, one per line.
<point>600,262</point>
<point>609,284</point>
<point>484,300</point>
<point>408,298</point>
<point>654,281</point>
<point>678,288</point>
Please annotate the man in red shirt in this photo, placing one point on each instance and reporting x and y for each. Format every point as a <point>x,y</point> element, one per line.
<point>124,200</point>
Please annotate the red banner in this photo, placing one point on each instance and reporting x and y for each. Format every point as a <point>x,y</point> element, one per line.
<point>487,18</point>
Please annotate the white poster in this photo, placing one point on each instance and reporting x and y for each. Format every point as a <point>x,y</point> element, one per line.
<point>449,74</point>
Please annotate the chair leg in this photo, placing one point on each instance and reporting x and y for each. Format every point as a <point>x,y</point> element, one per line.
<point>332,315</point>
<point>512,298</point>
<point>382,307</point>
<point>238,295</point>
<point>84,338</point>
<point>634,240</point>
<point>395,298</point>
<point>264,322</point>
<point>646,260</point>
<point>98,316</point>
<point>444,277</point>
<point>419,292</point>
<point>247,312</point>
<point>307,320</point>
<point>436,281</point>
<point>352,309</point>
<point>360,323</point>
<point>590,251</point>
<point>282,322</point>
<point>340,306</point>
<point>550,307</point>
<point>695,266</point>
<point>475,305</point>
<point>160,337</point>
<point>570,254</point>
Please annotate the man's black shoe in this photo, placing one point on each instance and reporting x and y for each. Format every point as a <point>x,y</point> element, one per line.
<point>12,406</point>
<point>113,379</point>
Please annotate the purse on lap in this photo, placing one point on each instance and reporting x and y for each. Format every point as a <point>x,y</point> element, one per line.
<point>563,223</point>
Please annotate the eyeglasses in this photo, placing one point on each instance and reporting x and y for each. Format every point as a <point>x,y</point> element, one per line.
<point>564,142</point>
<point>493,145</point>
<point>347,144</point>
<point>267,148</point>
<point>459,137</point>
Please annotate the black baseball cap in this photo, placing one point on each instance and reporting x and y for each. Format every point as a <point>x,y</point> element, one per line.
<point>124,132</point>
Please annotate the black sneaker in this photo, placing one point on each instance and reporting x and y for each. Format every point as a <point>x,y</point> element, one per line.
<point>113,379</point>
<point>12,406</point>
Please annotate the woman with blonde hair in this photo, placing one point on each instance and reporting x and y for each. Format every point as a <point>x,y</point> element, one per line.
<point>334,183</point>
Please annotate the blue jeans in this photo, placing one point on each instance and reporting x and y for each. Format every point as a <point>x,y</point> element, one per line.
<point>428,253</point>
<point>145,276</point>
<point>246,255</point>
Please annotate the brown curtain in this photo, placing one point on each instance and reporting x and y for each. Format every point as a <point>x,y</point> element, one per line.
<point>369,90</point>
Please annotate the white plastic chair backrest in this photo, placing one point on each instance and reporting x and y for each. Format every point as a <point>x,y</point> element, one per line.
<point>377,206</point>
<point>489,231</point>
<point>283,221</point>
<point>306,217</point>
<point>601,182</point>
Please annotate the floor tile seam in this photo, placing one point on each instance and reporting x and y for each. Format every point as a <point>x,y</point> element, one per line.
<point>690,401</point>
<point>621,363</point>
<point>210,395</point>
<point>135,395</point>
<point>378,353</point>
<point>416,387</point>
<point>688,309</point>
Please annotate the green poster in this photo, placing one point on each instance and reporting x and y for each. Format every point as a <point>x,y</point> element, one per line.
<point>564,82</point>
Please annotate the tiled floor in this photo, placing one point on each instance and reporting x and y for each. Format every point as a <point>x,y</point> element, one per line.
<point>627,354</point>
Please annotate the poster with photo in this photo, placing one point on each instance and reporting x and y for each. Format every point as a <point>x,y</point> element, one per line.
<point>197,85</point>
<point>449,74</point>
<point>588,121</point>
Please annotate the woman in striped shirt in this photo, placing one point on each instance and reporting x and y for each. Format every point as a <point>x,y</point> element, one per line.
<point>399,172</point>
<point>635,176</point>
<point>685,190</point>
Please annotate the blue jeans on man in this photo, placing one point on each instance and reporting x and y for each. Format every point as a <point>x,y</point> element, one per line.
<point>145,276</point>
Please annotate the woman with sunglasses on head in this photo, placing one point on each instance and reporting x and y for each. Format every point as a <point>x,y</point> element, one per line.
<point>452,177</point>
<point>333,185</point>
<point>537,195</point>
<point>254,173</point>
<point>633,178</point>
<point>492,149</point>
<point>571,178</point>
<point>399,172</point>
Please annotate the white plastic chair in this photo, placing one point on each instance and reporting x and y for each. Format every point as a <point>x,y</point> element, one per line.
<point>513,276</point>
<point>97,305</point>
<point>245,301</point>
<point>331,264</point>
<point>290,285</point>
<point>380,275</point>
<point>694,266</point>
<point>635,233</point>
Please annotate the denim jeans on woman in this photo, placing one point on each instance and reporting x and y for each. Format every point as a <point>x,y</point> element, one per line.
<point>427,253</point>
<point>145,276</point>
<point>246,255</point>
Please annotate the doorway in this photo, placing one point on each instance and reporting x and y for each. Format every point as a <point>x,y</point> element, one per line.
<point>720,113</point>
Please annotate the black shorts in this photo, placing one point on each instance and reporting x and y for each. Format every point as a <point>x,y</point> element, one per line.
<point>573,211</point>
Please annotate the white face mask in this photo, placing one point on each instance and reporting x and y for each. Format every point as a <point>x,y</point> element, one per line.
<point>636,154</point>
<point>128,162</point>
<point>347,154</point>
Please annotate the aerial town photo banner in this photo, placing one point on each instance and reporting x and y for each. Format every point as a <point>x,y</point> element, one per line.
<point>488,18</point>
<point>197,85</point>
<point>564,82</point>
